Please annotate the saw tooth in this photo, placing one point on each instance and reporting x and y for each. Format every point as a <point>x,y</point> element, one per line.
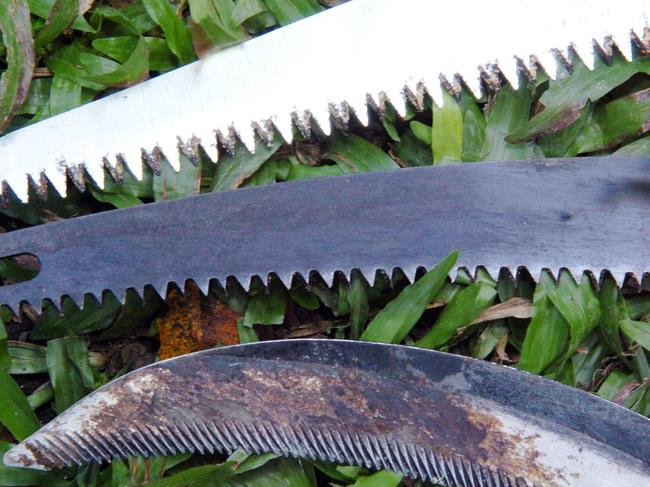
<point>548,62</point>
<point>585,51</point>
<point>360,107</point>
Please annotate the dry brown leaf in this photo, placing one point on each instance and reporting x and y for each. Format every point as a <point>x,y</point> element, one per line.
<point>513,308</point>
<point>191,324</point>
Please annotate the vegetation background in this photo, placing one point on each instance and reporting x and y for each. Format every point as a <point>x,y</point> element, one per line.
<point>59,54</point>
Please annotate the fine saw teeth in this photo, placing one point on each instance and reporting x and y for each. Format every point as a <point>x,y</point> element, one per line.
<point>363,50</point>
<point>429,415</point>
<point>585,218</point>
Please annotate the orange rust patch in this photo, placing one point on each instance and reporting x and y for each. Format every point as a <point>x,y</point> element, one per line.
<point>191,324</point>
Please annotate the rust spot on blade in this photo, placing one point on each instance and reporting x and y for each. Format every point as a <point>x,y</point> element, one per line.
<point>191,324</point>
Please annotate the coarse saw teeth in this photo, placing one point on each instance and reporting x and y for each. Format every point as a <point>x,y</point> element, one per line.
<point>585,214</point>
<point>344,61</point>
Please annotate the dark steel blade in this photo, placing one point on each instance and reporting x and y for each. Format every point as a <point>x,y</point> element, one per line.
<point>582,214</point>
<point>427,414</point>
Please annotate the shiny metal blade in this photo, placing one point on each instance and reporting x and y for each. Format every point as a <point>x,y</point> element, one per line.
<point>581,214</point>
<point>374,48</point>
<point>427,414</point>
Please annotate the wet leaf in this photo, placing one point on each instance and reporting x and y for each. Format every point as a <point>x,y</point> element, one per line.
<point>447,131</point>
<point>638,331</point>
<point>15,412</point>
<point>59,18</point>
<point>474,126</point>
<point>280,472</point>
<point>271,171</point>
<point>176,32</point>
<point>120,48</point>
<point>202,475</point>
<point>394,322</point>
<point>354,154</point>
<point>81,66</point>
<point>565,97</point>
<point>299,171</point>
<point>192,323</point>
<point>232,171</point>
<point>287,11</point>
<point>464,307</point>
<point>17,39</point>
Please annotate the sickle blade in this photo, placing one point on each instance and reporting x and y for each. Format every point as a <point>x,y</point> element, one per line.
<point>427,414</point>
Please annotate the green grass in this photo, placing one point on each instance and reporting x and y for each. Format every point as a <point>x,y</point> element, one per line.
<point>595,339</point>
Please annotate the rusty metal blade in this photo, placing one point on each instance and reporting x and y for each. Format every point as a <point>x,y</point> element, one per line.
<point>427,414</point>
<point>580,214</point>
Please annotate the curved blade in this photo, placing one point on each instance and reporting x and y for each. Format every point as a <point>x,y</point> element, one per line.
<point>428,414</point>
<point>277,77</point>
<point>582,214</point>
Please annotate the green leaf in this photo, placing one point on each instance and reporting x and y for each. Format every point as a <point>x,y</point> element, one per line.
<point>610,316</point>
<point>565,97</point>
<point>511,109</point>
<point>383,478</point>
<point>120,48</point>
<point>177,34</point>
<point>213,25</point>
<point>64,95</point>
<point>70,373</point>
<point>203,475</point>
<point>60,17</point>
<point>287,11</point>
<point>26,358</point>
<point>169,184</point>
<point>358,303</point>
<point>639,147</point>
<point>393,323</point>
<point>246,334</point>
<point>247,9</point>
<point>80,66</point>
<point>546,336</point>
<point>266,309</point>
<point>474,126</point>
<point>464,307</point>
<point>617,121</point>
<point>577,303</point>
<point>483,345</point>
<point>41,395</point>
<point>421,131</point>
<point>354,154</point>
<point>121,18</point>
<point>280,472</point>
<point>19,58</point>
<point>233,170</point>
<point>5,358</point>
<point>447,131</point>
<point>300,171</point>
<point>639,331</point>
<point>15,412</point>
<point>73,320</point>
<point>271,171</point>
<point>132,71</point>
<point>411,152</point>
